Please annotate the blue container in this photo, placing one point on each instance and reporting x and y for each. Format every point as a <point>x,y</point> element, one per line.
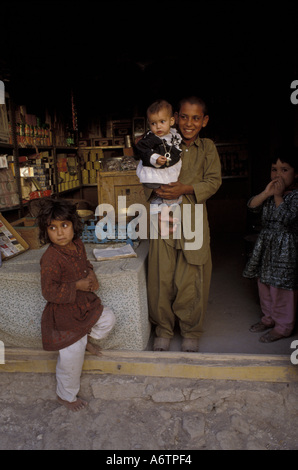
<point>89,235</point>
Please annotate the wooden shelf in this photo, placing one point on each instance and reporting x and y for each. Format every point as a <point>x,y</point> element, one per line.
<point>11,208</point>
<point>4,145</point>
<point>103,147</point>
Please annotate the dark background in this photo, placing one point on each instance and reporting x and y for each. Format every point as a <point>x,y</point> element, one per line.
<point>118,57</point>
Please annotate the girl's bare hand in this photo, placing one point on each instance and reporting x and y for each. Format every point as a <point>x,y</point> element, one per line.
<point>84,284</point>
<point>279,186</point>
<point>269,190</point>
<point>93,281</point>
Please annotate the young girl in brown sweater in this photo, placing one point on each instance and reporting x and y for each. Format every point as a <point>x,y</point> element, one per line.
<point>73,310</point>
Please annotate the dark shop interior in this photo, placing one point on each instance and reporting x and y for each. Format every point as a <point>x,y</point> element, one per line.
<point>78,78</point>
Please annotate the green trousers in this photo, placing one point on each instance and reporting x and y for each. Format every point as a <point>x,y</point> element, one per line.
<point>177,291</point>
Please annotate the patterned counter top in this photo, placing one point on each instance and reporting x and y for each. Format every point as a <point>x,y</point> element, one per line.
<point>123,287</point>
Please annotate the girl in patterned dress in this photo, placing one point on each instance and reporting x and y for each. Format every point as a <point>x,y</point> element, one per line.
<point>73,312</point>
<point>274,261</point>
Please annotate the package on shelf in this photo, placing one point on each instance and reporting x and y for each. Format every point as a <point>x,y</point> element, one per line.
<point>72,164</point>
<point>36,175</point>
<point>85,176</point>
<point>45,155</point>
<point>62,162</point>
<point>8,189</point>
<point>11,243</point>
<point>10,200</point>
<point>84,155</point>
<point>69,182</point>
<point>71,160</point>
<point>31,130</point>
<point>27,172</point>
<point>3,161</point>
<point>93,175</point>
<point>43,182</point>
<point>41,174</point>
<point>39,194</point>
<point>93,156</point>
<point>68,172</point>
<point>92,164</point>
<point>4,125</point>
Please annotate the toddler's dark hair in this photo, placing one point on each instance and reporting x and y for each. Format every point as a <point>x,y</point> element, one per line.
<point>286,154</point>
<point>158,105</point>
<point>57,209</point>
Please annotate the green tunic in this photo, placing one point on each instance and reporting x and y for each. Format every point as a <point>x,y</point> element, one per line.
<point>179,278</point>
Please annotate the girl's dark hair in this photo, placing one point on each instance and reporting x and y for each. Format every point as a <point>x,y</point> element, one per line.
<point>57,209</point>
<point>286,154</point>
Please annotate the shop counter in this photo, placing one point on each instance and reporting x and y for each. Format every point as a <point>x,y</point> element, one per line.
<point>122,287</point>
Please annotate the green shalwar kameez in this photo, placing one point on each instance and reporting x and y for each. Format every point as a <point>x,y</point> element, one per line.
<point>179,278</point>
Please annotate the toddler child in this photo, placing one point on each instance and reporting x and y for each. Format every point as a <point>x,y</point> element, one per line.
<point>274,260</point>
<point>160,156</point>
<point>73,310</point>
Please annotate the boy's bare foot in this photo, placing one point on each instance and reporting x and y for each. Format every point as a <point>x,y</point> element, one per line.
<point>93,349</point>
<point>77,405</point>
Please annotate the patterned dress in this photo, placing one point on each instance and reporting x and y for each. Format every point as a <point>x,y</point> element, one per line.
<point>275,256</point>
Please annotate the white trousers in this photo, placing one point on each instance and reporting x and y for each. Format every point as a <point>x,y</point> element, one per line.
<point>71,359</point>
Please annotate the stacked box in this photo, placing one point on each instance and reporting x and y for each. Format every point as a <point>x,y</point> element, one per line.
<point>92,164</point>
<point>30,130</point>
<point>27,227</point>
<point>8,189</point>
<point>62,162</point>
<point>3,161</point>
<point>41,175</point>
<point>68,175</point>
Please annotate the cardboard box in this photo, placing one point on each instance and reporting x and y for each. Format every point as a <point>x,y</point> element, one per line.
<point>3,161</point>
<point>4,129</point>
<point>11,242</point>
<point>28,229</point>
<point>8,189</point>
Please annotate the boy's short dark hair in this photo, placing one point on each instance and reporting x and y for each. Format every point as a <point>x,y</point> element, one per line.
<point>158,105</point>
<point>194,100</point>
<point>57,209</point>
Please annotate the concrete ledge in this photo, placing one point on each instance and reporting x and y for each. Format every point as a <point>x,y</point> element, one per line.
<point>253,368</point>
